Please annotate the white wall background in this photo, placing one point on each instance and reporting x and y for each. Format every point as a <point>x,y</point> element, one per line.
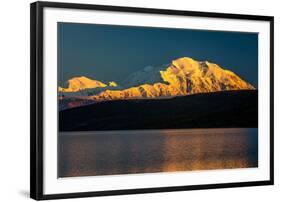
<point>14,100</point>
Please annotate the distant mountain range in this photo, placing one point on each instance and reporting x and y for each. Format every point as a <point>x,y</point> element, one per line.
<point>184,76</point>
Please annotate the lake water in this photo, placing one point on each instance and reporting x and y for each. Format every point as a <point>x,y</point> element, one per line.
<point>149,151</point>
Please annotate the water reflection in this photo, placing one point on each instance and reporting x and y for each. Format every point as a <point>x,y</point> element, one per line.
<point>107,153</point>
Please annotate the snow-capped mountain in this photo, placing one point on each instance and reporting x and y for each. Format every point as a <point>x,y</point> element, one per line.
<point>83,86</point>
<point>76,84</point>
<point>148,75</point>
<point>184,76</point>
<point>188,76</point>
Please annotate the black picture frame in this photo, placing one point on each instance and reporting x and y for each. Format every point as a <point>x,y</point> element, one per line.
<point>36,99</point>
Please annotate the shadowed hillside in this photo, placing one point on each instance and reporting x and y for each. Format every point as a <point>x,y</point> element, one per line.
<point>206,110</point>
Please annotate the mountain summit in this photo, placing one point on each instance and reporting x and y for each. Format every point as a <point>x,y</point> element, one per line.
<point>76,84</point>
<point>188,76</point>
<point>184,76</point>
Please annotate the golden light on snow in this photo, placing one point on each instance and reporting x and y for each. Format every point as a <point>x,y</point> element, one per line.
<point>81,83</point>
<point>184,76</point>
<point>112,83</point>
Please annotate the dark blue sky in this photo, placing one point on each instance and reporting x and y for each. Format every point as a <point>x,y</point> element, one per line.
<point>111,53</point>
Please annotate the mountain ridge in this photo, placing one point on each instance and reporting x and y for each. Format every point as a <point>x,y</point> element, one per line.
<point>76,84</point>
<point>183,76</point>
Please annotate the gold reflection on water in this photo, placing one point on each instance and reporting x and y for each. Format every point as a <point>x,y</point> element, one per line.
<point>219,149</point>
<point>156,151</point>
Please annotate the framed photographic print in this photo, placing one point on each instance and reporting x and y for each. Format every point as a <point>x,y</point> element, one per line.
<point>134,100</point>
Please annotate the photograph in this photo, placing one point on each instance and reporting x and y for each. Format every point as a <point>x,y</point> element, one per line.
<point>141,99</point>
